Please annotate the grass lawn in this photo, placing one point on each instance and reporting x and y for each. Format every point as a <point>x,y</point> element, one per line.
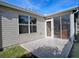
<point>15,52</point>
<point>75,51</point>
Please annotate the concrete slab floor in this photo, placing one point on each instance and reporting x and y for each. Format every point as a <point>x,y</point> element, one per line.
<point>46,47</point>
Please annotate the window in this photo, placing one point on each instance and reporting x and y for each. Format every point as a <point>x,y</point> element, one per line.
<point>27,24</point>
<point>32,28</point>
<point>23,24</point>
<point>23,19</point>
<point>32,20</point>
<point>23,29</point>
<point>32,25</point>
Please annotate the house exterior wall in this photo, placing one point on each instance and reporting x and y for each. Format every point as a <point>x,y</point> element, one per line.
<point>10,27</point>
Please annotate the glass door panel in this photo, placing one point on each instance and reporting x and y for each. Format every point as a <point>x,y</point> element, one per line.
<point>65,20</point>
<point>48,28</point>
<point>57,27</point>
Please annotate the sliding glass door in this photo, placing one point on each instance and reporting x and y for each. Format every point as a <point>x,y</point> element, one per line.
<point>62,26</point>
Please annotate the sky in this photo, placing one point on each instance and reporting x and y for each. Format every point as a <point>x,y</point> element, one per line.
<point>44,6</point>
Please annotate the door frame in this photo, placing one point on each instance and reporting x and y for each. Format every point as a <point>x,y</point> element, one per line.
<point>51,28</point>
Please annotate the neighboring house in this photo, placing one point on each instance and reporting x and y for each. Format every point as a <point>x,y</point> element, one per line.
<point>18,25</point>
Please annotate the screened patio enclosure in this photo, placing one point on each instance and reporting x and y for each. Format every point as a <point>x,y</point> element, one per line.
<point>62,26</point>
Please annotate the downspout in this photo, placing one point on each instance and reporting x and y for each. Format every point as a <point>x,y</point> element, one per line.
<point>75,23</point>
